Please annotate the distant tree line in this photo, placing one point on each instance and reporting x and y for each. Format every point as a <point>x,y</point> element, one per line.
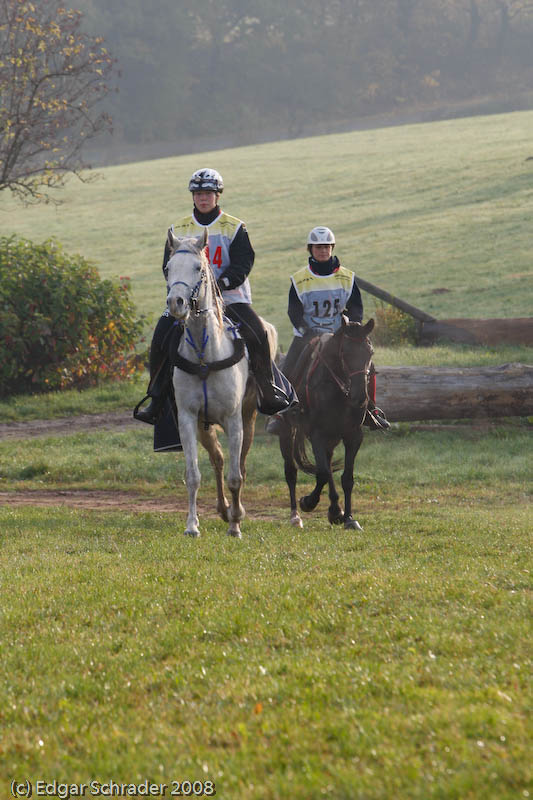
<point>208,67</point>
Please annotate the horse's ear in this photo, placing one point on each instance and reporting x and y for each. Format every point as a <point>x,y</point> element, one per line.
<point>201,240</point>
<point>369,327</point>
<point>172,239</point>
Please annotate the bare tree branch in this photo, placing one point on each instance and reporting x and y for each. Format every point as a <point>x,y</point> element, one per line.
<point>52,78</point>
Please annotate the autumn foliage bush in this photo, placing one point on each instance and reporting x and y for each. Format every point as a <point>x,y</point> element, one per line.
<point>393,327</point>
<point>60,324</point>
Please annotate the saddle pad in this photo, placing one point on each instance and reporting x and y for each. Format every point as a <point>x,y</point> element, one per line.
<point>283,383</point>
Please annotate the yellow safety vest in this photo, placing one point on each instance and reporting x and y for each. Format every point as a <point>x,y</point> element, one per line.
<point>221,232</point>
<point>323,297</point>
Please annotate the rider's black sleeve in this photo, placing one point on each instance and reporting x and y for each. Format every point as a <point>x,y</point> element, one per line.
<point>354,306</point>
<point>295,309</point>
<point>241,254</point>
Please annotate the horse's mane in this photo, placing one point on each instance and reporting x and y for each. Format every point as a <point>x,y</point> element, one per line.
<point>213,288</point>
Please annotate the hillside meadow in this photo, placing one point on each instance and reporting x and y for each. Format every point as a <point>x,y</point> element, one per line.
<point>394,662</point>
<point>438,214</point>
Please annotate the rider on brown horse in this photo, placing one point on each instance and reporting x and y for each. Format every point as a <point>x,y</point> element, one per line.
<point>320,293</point>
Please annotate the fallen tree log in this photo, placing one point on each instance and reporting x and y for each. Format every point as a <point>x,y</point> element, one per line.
<point>478,331</point>
<point>432,393</point>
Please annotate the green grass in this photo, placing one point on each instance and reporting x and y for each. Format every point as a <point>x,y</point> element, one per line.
<point>109,396</point>
<point>389,663</point>
<point>401,464</point>
<point>415,209</point>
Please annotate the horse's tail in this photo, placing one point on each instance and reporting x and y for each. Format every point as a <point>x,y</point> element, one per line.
<point>301,457</point>
<point>300,452</point>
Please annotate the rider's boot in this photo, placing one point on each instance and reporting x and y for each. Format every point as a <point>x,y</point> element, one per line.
<point>158,391</point>
<point>270,398</point>
<point>159,385</point>
<point>375,418</point>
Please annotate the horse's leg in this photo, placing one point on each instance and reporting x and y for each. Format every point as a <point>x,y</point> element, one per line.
<point>210,441</point>
<point>323,472</point>
<point>335,512</point>
<point>187,427</point>
<point>352,444</point>
<point>249,414</point>
<point>235,437</point>
<point>286,445</point>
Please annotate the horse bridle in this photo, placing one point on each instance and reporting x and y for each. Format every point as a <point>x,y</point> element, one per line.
<point>344,386</point>
<point>193,299</point>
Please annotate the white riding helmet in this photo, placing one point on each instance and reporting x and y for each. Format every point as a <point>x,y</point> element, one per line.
<point>321,235</point>
<point>206,180</point>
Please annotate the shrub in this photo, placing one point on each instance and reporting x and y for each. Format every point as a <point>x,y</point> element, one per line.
<point>393,327</point>
<point>60,324</point>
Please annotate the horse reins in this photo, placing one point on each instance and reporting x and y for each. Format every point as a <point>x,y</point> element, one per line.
<point>343,386</point>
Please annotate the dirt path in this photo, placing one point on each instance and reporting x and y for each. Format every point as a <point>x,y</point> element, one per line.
<point>79,498</point>
<point>111,420</point>
<point>102,500</point>
<point>129,501</point>
<point>113,500</point>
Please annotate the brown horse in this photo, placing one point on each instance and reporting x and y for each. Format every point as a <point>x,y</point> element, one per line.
<point>333,391</point>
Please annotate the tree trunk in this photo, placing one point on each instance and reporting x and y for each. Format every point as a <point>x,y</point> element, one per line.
<point>478,331</point>
<point>424,393</point>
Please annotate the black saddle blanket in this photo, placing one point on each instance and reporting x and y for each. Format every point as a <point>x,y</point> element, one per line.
<point>166,435</point>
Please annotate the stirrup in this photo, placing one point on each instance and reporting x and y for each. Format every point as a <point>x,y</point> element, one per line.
<point>276,424</point>
<point>376,420</point>
<point>142,415</point>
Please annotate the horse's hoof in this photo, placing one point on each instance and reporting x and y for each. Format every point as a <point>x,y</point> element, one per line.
<point>336,517</point>
<point>224,513</point>
<point>193,534</point>
<point>351,524</point>
<point>296,521</point>
<point>305,505</point>
<point>235,534</point>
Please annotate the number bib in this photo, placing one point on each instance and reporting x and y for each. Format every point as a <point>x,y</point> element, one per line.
<point>221,232</point>
<point>323,297</point>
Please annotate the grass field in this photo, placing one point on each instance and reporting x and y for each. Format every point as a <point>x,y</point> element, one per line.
<point>302,664</point>
<point>389,664</point>
<point>394,662</point>
<point>416,209</point>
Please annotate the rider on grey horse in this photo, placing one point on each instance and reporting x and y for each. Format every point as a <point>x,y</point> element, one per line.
<point>231,257</point>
